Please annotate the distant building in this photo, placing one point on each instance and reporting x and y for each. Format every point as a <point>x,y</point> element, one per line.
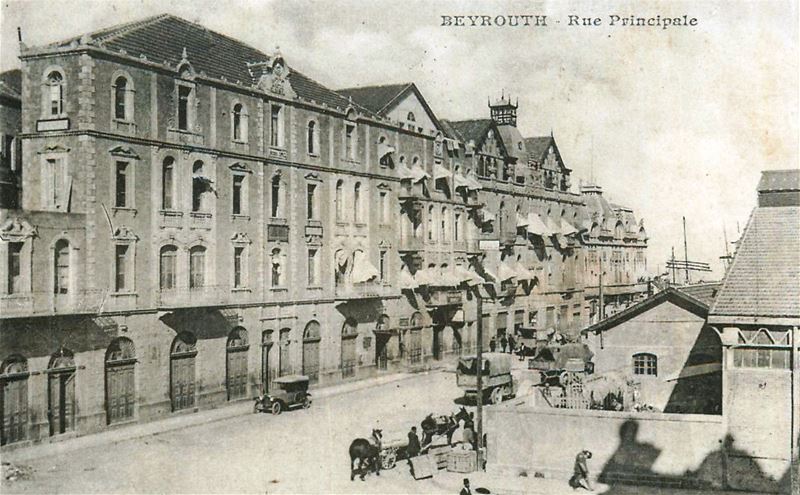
<point>664,349</point>
<point>757,313</point>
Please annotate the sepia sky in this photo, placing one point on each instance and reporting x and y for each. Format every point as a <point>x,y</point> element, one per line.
<point>676,122</point>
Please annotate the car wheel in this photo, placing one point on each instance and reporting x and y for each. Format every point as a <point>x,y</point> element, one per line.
<point>276,408</point>
<point>306,403</point>
<point>497,396</point>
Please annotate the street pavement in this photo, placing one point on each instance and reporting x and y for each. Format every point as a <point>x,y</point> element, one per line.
<point>301,451</point>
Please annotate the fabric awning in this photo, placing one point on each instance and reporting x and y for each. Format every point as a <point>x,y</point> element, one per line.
<point>448,278</point>
<point>406,281</point>
<point>439,172</point>
<point>488,216</point>
<point>363,270</point>
<point>460,181</point>
<point>474,185</point>
<point>522,221</point>
<point>341,258</point>
<point>506,272</point>
<point>423,277</point>
<point>523,273</point>
<point>567,228</point>
<point>490,277</point>
<point>466,275</point>
<point>405,172</point>
<point>536,226</point>
<point>418,174</point>
<point>385,149</point>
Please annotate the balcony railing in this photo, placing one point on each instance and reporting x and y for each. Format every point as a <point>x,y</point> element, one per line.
<point>368,290</point>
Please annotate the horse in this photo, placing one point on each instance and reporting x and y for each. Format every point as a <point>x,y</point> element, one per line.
<point>366,452</point>
<point>442,425</point>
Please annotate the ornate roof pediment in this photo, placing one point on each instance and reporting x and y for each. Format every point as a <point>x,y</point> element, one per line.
<point>16,229</point>
<point>240,238</point>
<point>57,148</point>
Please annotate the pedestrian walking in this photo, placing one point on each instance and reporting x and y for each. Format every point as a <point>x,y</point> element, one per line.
<point>465,488</point>
<point>413,448</point>
<point>521,351</point>
<point>503,342</point>
<point>511,344</point>
<point>580,472</point>
<point>492,344</point>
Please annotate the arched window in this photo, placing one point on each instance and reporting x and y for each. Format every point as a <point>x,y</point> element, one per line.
<point>311,339</point>
<point>120,98</point>
<point>167,267</point>
<point>277,267</point>
<point>168,184</point>
<point>431,223</point>
<point>312,138</point>
<point>357,203</point>
<point>645,364</point>
<point>61,267</point>
<point>236,363</point>
<point>201,186</point>
<point>55,92</point>
<point>501,217</point>
<point>197,267</point>
<point>276,197</point>
<point>445,226</point>
<point>339,200</point>
<point>14,413</point>
<point>239,123</point>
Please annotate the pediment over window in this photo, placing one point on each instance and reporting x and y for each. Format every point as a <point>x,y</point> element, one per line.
<point>240,167</point>
<point>16,229</point>
<point>57,148</point>
<point>313,176</point>
<point>125,152</point>
<point>384,244</point>
<point>383,186</point>
<point>123,233</point>
<point>185,69</point>
<point>241,238</point>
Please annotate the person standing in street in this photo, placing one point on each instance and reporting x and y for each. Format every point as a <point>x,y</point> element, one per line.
<point>511,344</point>
<point>492,344</point>
<point>503,342</point>
<point>413,443</point>
<point>465,490</point>
<point>580,472</point>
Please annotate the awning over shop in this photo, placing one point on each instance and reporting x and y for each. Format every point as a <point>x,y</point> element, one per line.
<point>385,149</point>
<point>362,268</point>
<point>423,277</point>
<point>466,275</point>
<point>522,221</point>
<point>473,184</point>
<point>567,228</point>
<point>404,172</point>
<point>406,281</point>
<point>460,181</point>
<point>439,172</point>
<point>506,272</point>
<point>523,273</point>
<point>418,174</point>
<point>536,226</point>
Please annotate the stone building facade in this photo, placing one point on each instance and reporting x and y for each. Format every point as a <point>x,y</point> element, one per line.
<point>198,218</point>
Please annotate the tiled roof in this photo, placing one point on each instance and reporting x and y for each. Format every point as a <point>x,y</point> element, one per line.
<point>513,142</point>
<point>779,180</point>
<point>471,130</point>
<point>450,131</point>
<point>763,280</point>
<point>162,39</point>
<point>374,98</point>
<point>537,147</point>
<point>11,84</point>
<point>705,292</point>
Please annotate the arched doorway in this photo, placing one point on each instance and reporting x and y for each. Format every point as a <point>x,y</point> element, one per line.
<point>415,339</point>
<point>266,347</point>
<point>349,334</point>
<point>120,380</point>
<point>285,364</point>
<point>182,363</point>
<point>236,363</point>
<point>61,392</point>
<point>14,387</point>
<point>382,337</point>
<point>311,338</point>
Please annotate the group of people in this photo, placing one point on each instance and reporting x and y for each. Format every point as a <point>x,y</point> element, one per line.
<point>507,343</point>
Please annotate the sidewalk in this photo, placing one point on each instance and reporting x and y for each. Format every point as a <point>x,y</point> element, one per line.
<point>158,426</point>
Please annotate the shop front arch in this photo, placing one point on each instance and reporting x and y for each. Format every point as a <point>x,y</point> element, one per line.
<point>61,392</point>
<point>311,339</point>
<point>349,334</point>
<point>236,363</point>
<point>382,337</point>
<point>182,371</point>
<point>14,401</point>
<point>120,380</point>
<point>266,347</point>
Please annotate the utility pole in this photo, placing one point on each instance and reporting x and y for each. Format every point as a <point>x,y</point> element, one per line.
<point>673,265</point>
<point>685,251</point>
<point>600,295</point>
<point>479,395</point>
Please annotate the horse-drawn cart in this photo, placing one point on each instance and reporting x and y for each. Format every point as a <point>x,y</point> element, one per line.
<point>392,450</point>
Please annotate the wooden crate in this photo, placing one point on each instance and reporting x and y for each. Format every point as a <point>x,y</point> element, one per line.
<point>439,455</point>
<point>462,461</point>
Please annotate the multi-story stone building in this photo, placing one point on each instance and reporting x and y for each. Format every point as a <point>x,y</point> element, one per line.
<point>10,121</point>
<point>199,217</point>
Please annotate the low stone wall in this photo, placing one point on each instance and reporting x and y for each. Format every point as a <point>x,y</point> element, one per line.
<point>645,448</point>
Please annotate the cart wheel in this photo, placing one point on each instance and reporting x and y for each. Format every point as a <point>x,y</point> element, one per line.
<point>388,459</point>
<point>256,407</point>
<point>497,396</point>
<point>565,378</point>
<point>306,403</point>
<point>276,408</point>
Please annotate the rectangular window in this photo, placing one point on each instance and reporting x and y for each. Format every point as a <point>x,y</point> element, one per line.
<point>167,185</point>
<point>457,227</point>
<point>121,279</point>
<point>8,149</point>
<point>168,268</point>
<point>197,262</point>
<point>275,199</point>
<point>312,268</point>
<point>184,97</point>
<point>383,267</point>
<point>310,189</point>
<point>384,208</point>
<point>238,267</point>
<point>14,267</point>
<point>121,180</point>
<point>275,137</point>
<point>55,182</point>
<point>238,183</point>
<point>349,141</point>
<point>645,364</point>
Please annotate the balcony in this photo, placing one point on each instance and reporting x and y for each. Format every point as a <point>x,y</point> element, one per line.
<point>412,192</point>
<point>472,200</point>
<point>188,298</point>
<point>278,230</point>
<point>444,297</point>
<point>410,245</point>
<point>368,290</point>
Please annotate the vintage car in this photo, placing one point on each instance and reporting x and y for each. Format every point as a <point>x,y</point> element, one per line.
<point>287,392</point>
<point>562,364</point>
<point>496,381</point>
